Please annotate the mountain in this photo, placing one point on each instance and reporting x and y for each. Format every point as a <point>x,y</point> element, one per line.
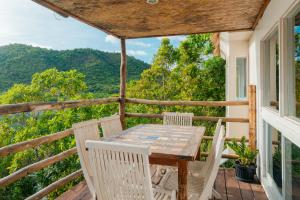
<point>18,62</point>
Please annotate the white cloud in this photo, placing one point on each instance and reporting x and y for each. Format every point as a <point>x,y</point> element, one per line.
<point>136,53</point>
<point>177,38</point>
<point>139,43</point>
<point>111,39</point>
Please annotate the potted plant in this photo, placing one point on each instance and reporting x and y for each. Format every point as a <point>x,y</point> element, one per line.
<point>245,165</point>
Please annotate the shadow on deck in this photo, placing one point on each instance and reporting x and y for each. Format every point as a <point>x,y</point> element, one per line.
<point>225,184</point>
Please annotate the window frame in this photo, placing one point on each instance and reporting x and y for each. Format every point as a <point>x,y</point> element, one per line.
<point>282,119</point>
<point>266,61</point>
<point>245,77</point>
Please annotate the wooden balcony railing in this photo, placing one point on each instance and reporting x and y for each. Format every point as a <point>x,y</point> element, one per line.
<point>33,143</point>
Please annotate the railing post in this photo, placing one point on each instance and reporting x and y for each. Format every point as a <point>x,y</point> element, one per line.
<point>122,83</point>
<point>252,116</point>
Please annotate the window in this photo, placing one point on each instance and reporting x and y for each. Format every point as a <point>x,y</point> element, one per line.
<point>241,77</point>
<point>274,165</point>
<point>296,100</point>
<point>272,71</point>
<point>292,170</point>
<point>281,92</point>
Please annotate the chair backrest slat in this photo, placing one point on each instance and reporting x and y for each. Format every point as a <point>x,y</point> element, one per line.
<point>217,132</point>
<point>87,130</point>
<point>111,125</point>
<point>175,118</point>
<point>212,172</point>
<point>121,170</point>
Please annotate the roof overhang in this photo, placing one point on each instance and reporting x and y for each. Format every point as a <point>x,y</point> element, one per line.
<point>138,19</point>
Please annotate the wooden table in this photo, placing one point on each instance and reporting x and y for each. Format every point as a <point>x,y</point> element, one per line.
<point>170,145</point>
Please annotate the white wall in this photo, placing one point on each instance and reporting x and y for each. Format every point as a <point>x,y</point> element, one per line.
<point>271,19</point>
<point>234,45</point>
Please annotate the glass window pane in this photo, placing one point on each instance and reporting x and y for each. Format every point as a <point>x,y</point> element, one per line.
<point>272,71</point>
<point>241,77</point>
<point>297,65</point>
<point>292,170</point>
<point>275,164</point>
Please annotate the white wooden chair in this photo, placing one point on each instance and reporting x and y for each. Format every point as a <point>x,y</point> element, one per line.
<point>111,125</point>
<point>122,172</point>
<point>87,130</point>
<point>198,168</point>
<point>175,118</point>
<point>200,187</point>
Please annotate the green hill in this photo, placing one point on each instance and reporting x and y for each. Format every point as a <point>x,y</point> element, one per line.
<point>18,62</point>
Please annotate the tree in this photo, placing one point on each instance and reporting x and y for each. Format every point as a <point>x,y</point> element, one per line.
<point>50,85</point>
<point>166,55</point>
<point>192,73</point>
<point>195,49</point>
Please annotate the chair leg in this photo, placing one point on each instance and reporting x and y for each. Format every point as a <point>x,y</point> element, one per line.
<point>216,194</point>
<point>158,169</point>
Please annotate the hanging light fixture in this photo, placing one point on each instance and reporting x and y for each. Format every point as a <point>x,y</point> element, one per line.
<point>152,2</point>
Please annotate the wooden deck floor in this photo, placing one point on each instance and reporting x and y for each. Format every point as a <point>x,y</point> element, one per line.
<point>225,184</point>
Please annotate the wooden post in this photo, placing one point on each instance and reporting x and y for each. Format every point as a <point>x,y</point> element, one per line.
<point>252,116</point>
<point>122,83</point>
<point>182,179</point>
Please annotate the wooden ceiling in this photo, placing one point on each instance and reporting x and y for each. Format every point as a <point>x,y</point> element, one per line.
<point>138,19</point>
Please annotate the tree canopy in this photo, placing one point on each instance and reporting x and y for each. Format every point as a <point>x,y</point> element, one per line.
<point>186,72</point>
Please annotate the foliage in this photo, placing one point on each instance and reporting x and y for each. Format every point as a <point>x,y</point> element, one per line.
<point>246,155</point>
<point>50,85</point>
<point>19,62</point>
<point>188,72</point>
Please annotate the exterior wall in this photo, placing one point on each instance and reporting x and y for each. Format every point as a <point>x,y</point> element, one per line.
<point>235,45</point>
<point>271,19</point>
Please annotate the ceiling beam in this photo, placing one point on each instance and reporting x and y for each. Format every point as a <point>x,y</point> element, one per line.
<point>261,13</point>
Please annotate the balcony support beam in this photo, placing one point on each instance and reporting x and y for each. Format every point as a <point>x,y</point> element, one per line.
<point>252,116</point>
<point>123,82</point>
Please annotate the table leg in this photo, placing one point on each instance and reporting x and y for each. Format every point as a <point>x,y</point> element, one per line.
<point>182,179</point>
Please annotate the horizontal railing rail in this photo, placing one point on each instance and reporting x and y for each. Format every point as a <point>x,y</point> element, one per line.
<point>21,146</point>
<point>33,143</point>
<point>187,103</point>
<point>36,166</point>
<point>33,107</point>
<point>196,118</point>
<point>57,184</point>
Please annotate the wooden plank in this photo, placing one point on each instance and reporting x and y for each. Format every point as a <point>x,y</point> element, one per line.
<point>123,83</point>
<point>187,103</point>
<point>229,156</point>
<point>246,191</point>
<point>165,141</point>
<point>81,191</point>
<point>182,179</point>
<point>53,186</point>
<point>220,184</point>
<point>232,186</point>
<point>13,148</point>
<point>196,118</point>
<point>258,192</point>
<point>78,192</point>
<point>33,107</point>
<point>35,167</point>
<point>252,116</point>
<point>162,161</point>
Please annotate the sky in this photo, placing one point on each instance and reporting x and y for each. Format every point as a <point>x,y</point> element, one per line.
<point>25,22</point>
